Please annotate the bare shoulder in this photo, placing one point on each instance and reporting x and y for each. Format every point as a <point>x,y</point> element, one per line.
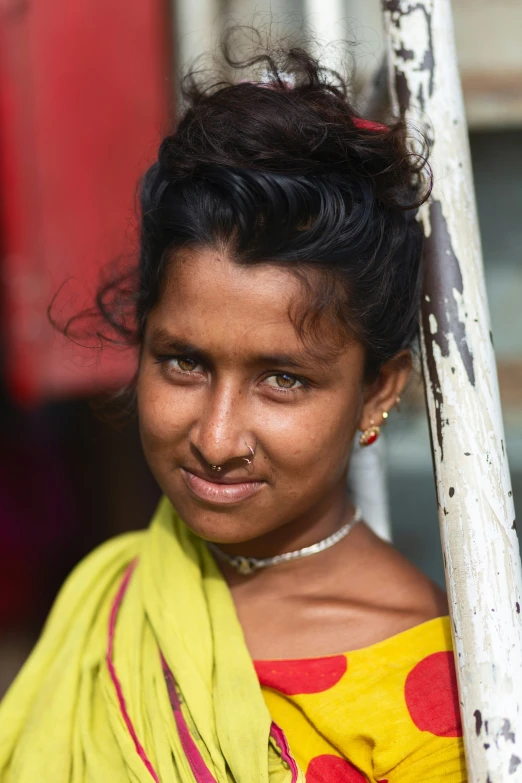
<point>384,595</point>
<point>354,595</point>
<point>393,583</point>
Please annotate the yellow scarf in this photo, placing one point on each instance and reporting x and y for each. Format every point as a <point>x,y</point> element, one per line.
<point>142,674</point>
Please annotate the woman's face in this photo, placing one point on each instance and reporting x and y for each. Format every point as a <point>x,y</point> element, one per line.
<point>223,373</point>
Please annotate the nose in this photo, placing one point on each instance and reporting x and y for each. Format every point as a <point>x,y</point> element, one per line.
<point>220,433</point>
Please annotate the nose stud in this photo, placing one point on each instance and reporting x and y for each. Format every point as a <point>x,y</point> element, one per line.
<point>216,468</point>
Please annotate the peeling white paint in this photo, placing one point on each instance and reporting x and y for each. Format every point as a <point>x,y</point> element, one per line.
<point>480,546</point>
<point>433,324</point>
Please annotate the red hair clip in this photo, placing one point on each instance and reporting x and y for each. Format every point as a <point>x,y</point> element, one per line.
<point>368,124</point>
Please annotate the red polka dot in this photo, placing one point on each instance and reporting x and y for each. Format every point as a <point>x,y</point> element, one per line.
<point>311,675</point>
<point>332,769</point>
<point>432,697</point>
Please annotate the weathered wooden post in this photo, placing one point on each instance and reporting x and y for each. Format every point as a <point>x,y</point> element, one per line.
<point>477,521</point>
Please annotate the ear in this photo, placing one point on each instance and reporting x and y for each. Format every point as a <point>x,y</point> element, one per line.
<point>382,394</point>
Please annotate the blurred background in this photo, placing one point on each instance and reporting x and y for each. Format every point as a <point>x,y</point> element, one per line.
<point>87,90</point>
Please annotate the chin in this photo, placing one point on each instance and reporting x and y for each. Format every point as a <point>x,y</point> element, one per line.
<point>224,524</point>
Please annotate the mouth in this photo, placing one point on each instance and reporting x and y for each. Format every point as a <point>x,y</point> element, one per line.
<point>221,491</point>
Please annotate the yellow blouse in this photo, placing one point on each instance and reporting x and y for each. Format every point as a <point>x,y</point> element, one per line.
<point>388,712</point>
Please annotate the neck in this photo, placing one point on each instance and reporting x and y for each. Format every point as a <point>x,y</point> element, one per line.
<point>318,523</point>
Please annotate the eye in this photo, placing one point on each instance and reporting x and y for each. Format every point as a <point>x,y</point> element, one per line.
<point>185,364</point>
<point>284,381</point>
<point>180,364</point>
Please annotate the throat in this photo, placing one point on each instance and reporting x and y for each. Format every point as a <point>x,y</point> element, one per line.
<point>246,565</point>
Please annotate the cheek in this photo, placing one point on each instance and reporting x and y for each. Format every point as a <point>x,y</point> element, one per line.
<point>164,415</point>
<point>313,439</point>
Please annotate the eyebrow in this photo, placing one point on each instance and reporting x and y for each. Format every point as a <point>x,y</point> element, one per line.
<point>165,341</point>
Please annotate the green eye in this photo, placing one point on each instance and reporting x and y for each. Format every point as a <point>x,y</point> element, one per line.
<point>284,381</point>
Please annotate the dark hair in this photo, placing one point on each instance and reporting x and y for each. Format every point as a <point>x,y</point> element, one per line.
<point>287,175</point>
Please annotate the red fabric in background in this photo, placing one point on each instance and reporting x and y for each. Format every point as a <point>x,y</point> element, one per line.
<point>84,98</point>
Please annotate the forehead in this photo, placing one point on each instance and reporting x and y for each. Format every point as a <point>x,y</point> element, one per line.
<point>249,314</point>
<point>201,276</point>
<point>212,299</point>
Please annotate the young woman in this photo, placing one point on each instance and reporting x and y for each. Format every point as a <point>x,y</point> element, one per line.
<point>258,631</point>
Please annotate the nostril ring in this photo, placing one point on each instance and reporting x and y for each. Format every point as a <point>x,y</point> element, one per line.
<point>251,450</point>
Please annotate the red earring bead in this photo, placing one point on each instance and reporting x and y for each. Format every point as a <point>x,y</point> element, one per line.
<point>372,438</point>
<point>369,436</point>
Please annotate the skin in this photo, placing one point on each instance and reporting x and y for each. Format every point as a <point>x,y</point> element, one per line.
<point>223,371</point>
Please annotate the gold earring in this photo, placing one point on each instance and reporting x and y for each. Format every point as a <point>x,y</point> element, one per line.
<point>370,434</point>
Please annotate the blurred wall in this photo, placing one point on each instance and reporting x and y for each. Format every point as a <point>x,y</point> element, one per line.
<point>85,96</point>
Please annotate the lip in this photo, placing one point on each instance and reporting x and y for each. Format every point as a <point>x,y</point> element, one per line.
<point>222,491</point>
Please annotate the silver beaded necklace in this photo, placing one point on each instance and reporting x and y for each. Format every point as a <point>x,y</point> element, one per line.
<point>248,565</point>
